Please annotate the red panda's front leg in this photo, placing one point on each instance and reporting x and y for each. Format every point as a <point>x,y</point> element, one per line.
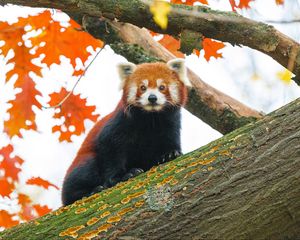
<point>132,173</point>
<point>170,156</point>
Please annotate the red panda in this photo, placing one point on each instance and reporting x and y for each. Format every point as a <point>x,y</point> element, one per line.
<point>143,130</point>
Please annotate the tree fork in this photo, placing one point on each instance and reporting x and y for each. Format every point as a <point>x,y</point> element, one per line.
<point>217,109</point>
<point>245,185</point>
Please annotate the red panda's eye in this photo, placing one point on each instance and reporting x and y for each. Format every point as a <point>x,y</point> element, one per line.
<point>162,87</point>
<point>143,88</point>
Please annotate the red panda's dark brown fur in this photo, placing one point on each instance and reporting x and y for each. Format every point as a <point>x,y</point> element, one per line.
<point>130,139</point>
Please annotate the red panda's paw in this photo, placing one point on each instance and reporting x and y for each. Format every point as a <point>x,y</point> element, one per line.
<point>97,189</point>
<point>170,156</point>
<point>133,172</point>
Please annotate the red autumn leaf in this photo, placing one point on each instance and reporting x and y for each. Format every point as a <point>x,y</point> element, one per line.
<point>41,20</point>
<point>172,45</point>
<point>11,35</point>
<point>279,2</point>
<point>21,114</point>
<point>26,212</point>
<point>211,48</point>
<point>244,3</point>
<point>41,210</point>
<point>6,187</point>
<point>10,164</point>
<point>40,182</point>
<point>58,40</point>
<point>22,59</point>
<point>233,5</point>
<point>74,110</point>
<point>23,65</point>
<point>6,220</point>
<point>23,199</point>
<point>153,34</point>
<point>189,2</point>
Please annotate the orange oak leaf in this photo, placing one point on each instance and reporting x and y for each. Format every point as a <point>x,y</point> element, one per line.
<point>26,212</point>
<point>35,22</point>
<point>41,210</point>
<point>11,35</point>
<point>70,42</point>
<point>233,5</point>
<point>6,219</point>
<point>23,65</point>
<point>172,45</point>
<point>244,3</point>
<point>189,2</point>
<point>211,48</point>
<point>153,34</point>
<point>6,187</point>
<point>23,199</point>
<point>74,111</point>
<point>21,113</point>
<point>40,182</point>
<point>10,165</point>
<point>197,52</point>
<point>279,2</point>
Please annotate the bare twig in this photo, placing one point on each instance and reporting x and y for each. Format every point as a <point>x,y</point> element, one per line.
<point>68,95</point>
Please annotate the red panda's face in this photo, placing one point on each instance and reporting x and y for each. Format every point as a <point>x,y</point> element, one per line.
<point>153,86</point>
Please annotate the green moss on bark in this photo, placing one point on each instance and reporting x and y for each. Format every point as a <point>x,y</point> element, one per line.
<point>228,179</point>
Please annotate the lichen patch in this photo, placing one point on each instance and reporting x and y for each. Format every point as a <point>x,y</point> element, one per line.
<point>71,232</point>
<point>92,221</point>
<point>80,210</point>
<point>113,219</point>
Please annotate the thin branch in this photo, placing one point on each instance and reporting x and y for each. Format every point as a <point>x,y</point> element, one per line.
<point>68,95</point>
<point>283,21</point>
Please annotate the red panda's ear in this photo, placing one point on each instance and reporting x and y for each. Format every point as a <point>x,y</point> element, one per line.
<point>125,69</point>
<point>177,65</point>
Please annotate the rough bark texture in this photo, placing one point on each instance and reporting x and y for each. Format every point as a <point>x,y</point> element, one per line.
<point>225,26</point>
<point>246,185</point>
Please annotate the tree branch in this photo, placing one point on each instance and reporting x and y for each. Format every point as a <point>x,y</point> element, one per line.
<point>217,109</point>
<point>242,186</point>
<point>225,26</point>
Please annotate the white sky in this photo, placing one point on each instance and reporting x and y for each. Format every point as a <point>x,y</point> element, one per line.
<point>233,74</point>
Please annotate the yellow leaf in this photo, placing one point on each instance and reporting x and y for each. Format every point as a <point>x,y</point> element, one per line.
<point>255,76</point>
<point>160,11</point>
<point>285,76</point>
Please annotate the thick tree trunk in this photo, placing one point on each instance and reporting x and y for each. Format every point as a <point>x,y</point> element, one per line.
<point>246,185</point>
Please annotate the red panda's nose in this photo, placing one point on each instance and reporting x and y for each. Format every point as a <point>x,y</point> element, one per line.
<point>152,98</point>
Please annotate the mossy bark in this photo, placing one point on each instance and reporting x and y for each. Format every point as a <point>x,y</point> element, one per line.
<point>225,26</point>
<point>245,185</point>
